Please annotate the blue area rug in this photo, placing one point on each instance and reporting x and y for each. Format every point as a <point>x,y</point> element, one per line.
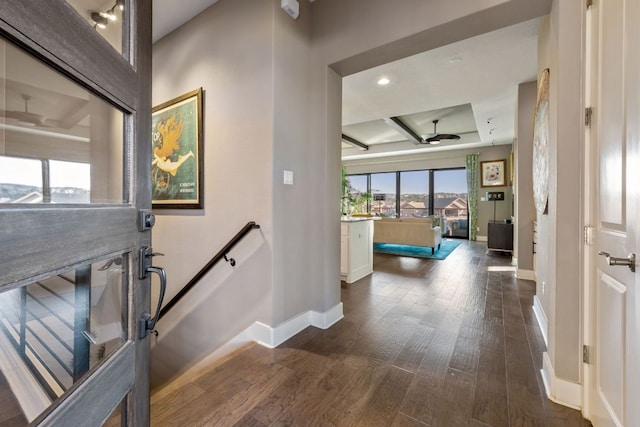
<point>446,247</point>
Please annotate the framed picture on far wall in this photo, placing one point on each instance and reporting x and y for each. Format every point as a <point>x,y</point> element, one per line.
<point>176,167</point>
<point>493,173</point>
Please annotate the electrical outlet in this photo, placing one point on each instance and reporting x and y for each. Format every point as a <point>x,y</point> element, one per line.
<point>477,228</point>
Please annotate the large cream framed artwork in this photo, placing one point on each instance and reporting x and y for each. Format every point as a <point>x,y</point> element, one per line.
<point>541,145</point>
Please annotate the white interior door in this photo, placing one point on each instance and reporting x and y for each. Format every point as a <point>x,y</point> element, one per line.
<point>613,327</point>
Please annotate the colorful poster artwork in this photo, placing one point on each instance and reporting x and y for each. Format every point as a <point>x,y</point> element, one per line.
<point>176,167</point>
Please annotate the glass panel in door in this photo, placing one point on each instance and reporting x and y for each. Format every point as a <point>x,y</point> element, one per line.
<point>107,17</point>
<point>56,330</point>
<point>59,143</point>
<point>450,200</point>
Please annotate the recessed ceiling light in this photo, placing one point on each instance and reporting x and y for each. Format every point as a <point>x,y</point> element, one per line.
<point>384,81</point>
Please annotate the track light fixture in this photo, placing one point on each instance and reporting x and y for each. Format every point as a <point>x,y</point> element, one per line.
<point>101,19</point>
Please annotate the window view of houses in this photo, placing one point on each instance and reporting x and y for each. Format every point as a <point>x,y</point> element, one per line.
<point>414,194</point>
<point>43,181</point>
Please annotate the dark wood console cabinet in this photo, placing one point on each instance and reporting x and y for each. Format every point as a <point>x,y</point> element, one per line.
<point>500,237</point>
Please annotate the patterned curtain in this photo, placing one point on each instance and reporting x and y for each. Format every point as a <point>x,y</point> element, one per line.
<point>472,186</point>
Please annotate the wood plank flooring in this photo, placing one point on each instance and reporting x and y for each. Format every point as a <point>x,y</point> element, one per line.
<point>422,343</point>
<point>11,414</point>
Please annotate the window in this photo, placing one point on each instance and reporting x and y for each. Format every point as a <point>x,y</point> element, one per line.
<point>421,193</point>
<point>383,191</point>
<point>358,195</point>
<point>414,194</point>
<point>450,200</point>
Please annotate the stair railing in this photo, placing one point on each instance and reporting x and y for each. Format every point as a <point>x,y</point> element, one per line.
<point>222,254</point>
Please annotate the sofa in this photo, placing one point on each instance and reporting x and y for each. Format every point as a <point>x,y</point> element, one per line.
<point>408,231</point>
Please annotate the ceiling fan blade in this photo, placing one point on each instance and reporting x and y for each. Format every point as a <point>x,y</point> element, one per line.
<point>441,136</point>
<point>448,136</point>
<point>435,136</point>
<point>25,117</point>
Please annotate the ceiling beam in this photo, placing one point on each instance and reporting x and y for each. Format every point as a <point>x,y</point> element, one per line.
<point>400,126</point>
<point>359,145</point>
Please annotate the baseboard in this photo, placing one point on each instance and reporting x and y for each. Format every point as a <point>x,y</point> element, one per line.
<point>541,318</point>
<point>481,238</point>
<point>270,337</point>
<point>560,391</point>
<point>326,319</point>
<point>526,274</point>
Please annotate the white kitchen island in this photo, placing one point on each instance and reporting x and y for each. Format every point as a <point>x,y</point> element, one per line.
<point>356,248</point>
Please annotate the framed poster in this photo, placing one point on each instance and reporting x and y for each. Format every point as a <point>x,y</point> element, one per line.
<point>176,168</point>
<point>492,173</point>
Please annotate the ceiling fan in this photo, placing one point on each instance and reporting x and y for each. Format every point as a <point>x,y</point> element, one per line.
<point>25,117</point>
<point>435,137</point>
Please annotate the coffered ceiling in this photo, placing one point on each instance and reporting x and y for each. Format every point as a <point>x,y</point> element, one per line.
<point>469,86</point>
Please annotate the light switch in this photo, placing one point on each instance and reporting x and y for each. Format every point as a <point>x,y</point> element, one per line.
<point>288,177</point>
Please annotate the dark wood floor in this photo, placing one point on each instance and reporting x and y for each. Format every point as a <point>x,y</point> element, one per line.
<point>422,343</point>
<point>11,414</point>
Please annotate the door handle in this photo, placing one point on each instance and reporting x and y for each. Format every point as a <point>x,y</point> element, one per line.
<point>147,322</point>
<point>629,261</point>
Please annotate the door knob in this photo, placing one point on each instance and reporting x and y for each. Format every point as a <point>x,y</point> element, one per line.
<point>629,261</point>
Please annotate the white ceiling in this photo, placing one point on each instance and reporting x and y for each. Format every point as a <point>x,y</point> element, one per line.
<point>483,71</point>
<point>171,14</point>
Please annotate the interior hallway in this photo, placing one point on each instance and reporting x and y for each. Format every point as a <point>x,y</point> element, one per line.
<point>423,342</point>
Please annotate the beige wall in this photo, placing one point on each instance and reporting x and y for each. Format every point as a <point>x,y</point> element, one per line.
<point>447,159</point>
<point>558,263</point>
<point>273,102</point>
<point>227,50</point>
<point>523,149</point>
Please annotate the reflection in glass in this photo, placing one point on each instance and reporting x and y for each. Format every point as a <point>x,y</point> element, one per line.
<point>54,331</point>
<point>58,142</point>
<point>106,17</point>
<point>20,180</point>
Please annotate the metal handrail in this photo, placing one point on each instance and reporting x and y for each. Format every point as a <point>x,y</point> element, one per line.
<point>53,313</point>
<point>222,254</point>
<point>55,294</point>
